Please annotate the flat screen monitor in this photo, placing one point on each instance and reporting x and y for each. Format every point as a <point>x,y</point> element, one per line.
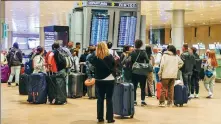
<point>212,46</point>
<point>202,46</point>
<point>196,46</point>
<point>33,43</point>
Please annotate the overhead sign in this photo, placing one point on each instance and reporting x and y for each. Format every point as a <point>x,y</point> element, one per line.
<point>106,4</point>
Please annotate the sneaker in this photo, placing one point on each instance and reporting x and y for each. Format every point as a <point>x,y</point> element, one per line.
<point>210,96</point>
<point>110,121</point>
<point>100,120</point>
<point>162,105</point>
<point>153,96</point>
<point>9,84</point>
<point>16,84</point>
<point>169,105</point>
<point>135,103</point>
<point>143,103</point>
<point>196,96</point>
<point>191,96</point>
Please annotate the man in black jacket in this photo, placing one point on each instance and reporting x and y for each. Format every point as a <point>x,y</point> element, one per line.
<point>195,77</point>
<point>187,69</point>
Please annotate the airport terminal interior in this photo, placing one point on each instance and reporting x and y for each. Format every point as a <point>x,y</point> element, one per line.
<point>34,28</point>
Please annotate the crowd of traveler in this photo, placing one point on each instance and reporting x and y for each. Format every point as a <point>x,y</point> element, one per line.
<point>168,66</point>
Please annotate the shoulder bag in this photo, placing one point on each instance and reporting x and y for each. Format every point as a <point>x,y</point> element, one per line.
<point>141,68</point>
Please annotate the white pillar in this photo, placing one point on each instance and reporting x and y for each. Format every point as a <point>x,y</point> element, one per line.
<point>2,21</point>
<point>178,28</point>
<point>9,40</point>
<point>143,30</point>
<point>78,29</point>
<point>42,36</point>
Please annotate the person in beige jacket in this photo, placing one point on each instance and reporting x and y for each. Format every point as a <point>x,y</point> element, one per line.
<point>169,66</point>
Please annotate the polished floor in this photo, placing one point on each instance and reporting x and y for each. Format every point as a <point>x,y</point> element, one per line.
<point>15,110</point>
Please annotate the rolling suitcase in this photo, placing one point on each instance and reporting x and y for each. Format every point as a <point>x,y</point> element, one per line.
<point>91,92</point>
<point>180,95</point>
<point>37,88</point>
<point>159,89</point>
<point>5,72</point>
<point>57,89</point>
<point>123,99</point>
<point>75,85</point>
<point>23,84</point>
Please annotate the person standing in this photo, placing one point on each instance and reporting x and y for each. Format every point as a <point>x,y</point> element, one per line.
<point>187,69</point>
<point>39,61</point>
<point>195,77</point>
<point>126,65</point>
<point>150,84</point>
<point>140,56</point>
<point>104,69</point>
<point>169,67</point>
<point>210,73</point>
<point>157,58</point>
<point>14,61</point>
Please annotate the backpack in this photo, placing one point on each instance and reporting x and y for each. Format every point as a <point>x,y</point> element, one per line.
<point>29,66</point>
<point>64,59</point>
<point>126,62</point>
<point>13,58</point>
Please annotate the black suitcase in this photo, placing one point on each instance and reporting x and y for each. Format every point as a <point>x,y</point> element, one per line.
<point>57,89</point>
<point>37,88</point>
<point>123,99</point>
<point>23,84</point>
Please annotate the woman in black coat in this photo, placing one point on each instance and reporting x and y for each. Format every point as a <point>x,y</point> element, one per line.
<point>141,57</point>
<point>104,68</point>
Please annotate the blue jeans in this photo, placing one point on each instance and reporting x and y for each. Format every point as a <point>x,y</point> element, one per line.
<point>156,70</point>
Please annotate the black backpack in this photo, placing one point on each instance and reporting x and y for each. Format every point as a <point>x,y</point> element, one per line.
<point>64,59</point>
<point>13,58</point>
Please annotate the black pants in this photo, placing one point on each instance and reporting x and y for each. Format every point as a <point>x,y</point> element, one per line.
<point>195,83</point>
<point>187,81</point>
<point>142,80</point>
<point>105,87</point>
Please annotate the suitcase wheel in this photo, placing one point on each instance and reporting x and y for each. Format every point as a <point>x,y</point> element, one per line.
<point>132,116</point>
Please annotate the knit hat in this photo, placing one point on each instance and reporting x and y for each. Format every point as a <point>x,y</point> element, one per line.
<point>15,45</point>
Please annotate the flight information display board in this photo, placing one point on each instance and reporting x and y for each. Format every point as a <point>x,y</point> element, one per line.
<point>99,28</point>
<point>127,30</point>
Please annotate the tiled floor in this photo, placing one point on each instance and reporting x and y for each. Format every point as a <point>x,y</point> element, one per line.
<point>15,110</point>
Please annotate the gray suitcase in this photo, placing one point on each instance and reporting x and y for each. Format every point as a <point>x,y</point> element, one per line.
<point>91,92</point>
<point>123,99</point>
<point>75,85</point>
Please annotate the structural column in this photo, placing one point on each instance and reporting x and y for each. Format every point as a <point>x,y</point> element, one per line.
<point>42,36</point>
<point>2,21</point>
<point>8,44</point>
<point>178,28</point>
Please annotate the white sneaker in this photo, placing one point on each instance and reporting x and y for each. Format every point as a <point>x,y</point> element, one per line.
<point>196,96</point>
<point>162,105</point>
<point>153,96</point>
<point>191,96</point>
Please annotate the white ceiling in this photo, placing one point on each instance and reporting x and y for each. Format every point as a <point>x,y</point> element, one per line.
<point>28,16</point>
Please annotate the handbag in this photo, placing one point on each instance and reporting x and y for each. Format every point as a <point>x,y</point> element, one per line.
<point>208,73</point>
<point>141,68</point>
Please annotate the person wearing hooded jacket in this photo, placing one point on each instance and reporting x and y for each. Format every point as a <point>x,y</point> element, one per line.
<point>39,61</point>
<point>169,66</point>
<point>14,61</point>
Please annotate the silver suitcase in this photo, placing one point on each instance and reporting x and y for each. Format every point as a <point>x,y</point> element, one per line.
<point>91,92</point>
<point>75,85</point>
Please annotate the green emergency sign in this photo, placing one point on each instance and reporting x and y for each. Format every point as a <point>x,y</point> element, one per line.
<point>4,30</point>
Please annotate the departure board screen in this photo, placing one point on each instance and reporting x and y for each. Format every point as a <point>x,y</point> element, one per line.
<point>127,30</point>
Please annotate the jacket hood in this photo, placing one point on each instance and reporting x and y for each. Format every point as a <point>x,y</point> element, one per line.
<point>168,53</point>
